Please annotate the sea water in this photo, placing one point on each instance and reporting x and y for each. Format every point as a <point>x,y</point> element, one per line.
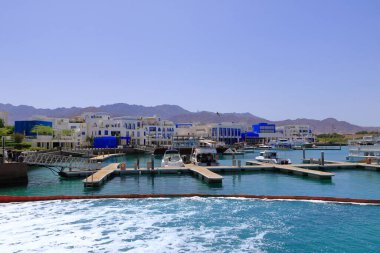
<point>188,225</point>
<point>196,224</point>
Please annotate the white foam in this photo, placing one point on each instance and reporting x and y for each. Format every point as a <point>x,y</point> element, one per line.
<point>144,225</point>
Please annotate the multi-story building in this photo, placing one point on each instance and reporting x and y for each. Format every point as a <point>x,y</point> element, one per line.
<point>261,133</point>
<point>158,132</point>
<point>148,131</point>
<point>226,132</point>
<point>297,133</point>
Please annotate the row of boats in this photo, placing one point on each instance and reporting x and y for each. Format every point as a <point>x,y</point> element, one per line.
<point>206,155</point>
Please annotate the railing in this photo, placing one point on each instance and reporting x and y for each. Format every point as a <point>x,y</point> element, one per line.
<point>50,160</point>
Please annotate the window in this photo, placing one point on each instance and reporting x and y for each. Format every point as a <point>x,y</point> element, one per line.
<point>99,132</point>
<point>105,132</point>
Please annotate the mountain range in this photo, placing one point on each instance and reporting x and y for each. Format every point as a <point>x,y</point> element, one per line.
<point>178,114</point>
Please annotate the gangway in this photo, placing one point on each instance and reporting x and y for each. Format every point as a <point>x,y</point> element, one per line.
<point>59,161</point>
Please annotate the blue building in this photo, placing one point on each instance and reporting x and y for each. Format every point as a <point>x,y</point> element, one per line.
<point>25,126</point>
<point>266,128</point>
<point>109,141</point>
<point>261,133</point>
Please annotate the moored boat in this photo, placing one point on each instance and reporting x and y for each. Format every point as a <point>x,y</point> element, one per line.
<point>271,157</point>
<point>172,158</point>
<point>205,154</point>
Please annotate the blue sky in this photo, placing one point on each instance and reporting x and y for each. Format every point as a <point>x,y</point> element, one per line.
<point>275,59</point>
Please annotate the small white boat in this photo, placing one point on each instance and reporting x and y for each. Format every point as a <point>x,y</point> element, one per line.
<point>205,154</point>
<point>232,151</point>
<point>172,158</point>
<point>271,157</point>
<point>249,149</point>
<point>264,147</point>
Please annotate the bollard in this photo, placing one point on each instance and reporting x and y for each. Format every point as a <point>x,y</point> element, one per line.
<point>138,163</point>
<point>152,161</point>
<point>322,158</point>
<point>303,153</point>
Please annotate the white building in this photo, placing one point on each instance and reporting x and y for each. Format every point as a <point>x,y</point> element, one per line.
<point>158,132</point>
<point>227,132</point>
<point>145,131</point>
<point>297,133</point>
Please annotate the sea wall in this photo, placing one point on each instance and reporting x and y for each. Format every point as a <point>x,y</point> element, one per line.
<point>13,174</point>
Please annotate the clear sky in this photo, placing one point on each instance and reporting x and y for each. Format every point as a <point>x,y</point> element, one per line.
<point>275,59</point>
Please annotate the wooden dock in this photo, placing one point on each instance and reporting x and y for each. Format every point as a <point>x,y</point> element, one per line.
<point>205,174</point>
<point>304,172</point>
<point>209,174</point>
<point>101,175</point>
<point>102,158</point>
<point>298,169</point>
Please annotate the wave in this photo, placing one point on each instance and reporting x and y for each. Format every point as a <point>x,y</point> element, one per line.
<point>313,199</point>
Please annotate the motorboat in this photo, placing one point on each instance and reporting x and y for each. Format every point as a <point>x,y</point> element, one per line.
<point>232,151</point>
<point>271,157</point>
<point>205,154</point>
<point>172,158</point>
<point>366,149</point>
<point>264,147</point>
<point>249,149</point>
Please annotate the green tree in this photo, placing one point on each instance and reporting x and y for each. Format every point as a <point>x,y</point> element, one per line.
<point>66,132</point>
<point>2,125</point>
<point>19,138</point>
<point>90,139</point>
<point>42,130</point>
<point>8,130</point>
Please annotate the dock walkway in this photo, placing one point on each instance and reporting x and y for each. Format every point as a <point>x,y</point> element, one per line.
<point>297,169</point>
<point>101,175</point>
<point>304,172</point>
<point>205,174</point>
<point>101,158</point>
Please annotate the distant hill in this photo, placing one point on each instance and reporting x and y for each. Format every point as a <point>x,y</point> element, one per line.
<point>178,114</point>
<point>329,125</point>
<point>212,117</point>
<point>23,112</point>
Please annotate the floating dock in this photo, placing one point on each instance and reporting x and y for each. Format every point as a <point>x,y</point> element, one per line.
<point>297,169</point>
<point>102,158</point>
<point>100,176</point>
<point>205,174</point>
<point>209,174</point>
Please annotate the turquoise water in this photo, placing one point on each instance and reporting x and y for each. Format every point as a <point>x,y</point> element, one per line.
<point>196,224</point>
<point>346,183</point>
<point>188,225</point>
